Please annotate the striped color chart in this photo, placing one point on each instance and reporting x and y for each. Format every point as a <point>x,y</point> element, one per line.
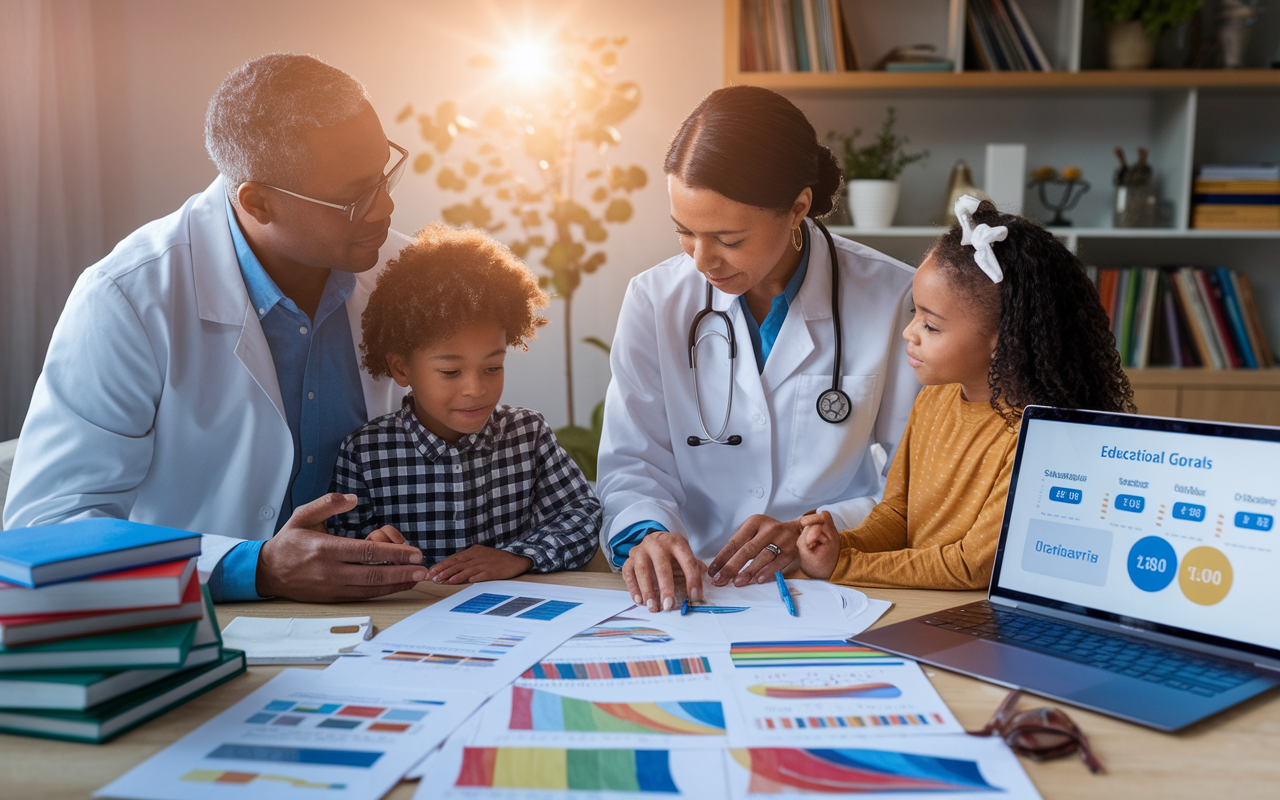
<point>807,653</point>
<point>610,670</point>
<point>538,710</point>
<point>629,771</point>
<point>870,721</point>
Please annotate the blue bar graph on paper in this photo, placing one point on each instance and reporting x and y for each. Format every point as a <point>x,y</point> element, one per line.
<point>297,755</point>
<point>480,603</point>
<point>549,610</point>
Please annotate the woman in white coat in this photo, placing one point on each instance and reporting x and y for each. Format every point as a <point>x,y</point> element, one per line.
<point>717,463</point>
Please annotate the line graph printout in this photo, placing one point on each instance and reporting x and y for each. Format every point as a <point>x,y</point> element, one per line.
<point>481,638</point>
<point>823,705</point>
<point>302,731</point>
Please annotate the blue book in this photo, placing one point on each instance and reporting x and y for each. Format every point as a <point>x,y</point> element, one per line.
<point>33,557</point>
<point>1232,305</point>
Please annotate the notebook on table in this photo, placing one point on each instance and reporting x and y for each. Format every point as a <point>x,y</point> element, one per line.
<point>1135,574</point>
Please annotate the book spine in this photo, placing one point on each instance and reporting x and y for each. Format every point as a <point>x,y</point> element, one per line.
<point>811,34</point>
<point>1217,319</point>
<point>1171,322</point>
<point>1130,303</point>
<point>1223,285</point>
<point>1033,44</point>
<point>1255,320</point>
<point>782,35</point>
<point>1017,57</point>
<point>1197,321</point>
<point>976,35</point>
<point>1151,282</point>
<point>799,39</point>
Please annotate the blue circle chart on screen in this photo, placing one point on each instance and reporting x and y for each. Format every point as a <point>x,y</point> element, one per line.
<point>1152,563</point>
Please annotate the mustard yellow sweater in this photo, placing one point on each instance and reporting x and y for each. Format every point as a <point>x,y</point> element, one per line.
<point>939,522</point>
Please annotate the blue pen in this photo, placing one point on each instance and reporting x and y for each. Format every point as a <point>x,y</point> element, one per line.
<point>786,594</point>
<point>684,609</point>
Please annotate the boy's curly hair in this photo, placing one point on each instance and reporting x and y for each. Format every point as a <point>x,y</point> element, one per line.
<point>445,279</point>
<point>1054,344</point>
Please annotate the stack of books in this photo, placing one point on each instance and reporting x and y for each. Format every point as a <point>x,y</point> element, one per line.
<point>1237,198</point>
<point>1002,39</point>
<point>103,626</point>
<point>1184,317</point>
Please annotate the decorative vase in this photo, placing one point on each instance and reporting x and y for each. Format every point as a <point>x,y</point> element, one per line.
<point>873,203</point>
<point>1129,46</point>
<point>1236,21</point>
<point>960,184</point>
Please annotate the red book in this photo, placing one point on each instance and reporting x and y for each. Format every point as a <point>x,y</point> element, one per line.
<point>31,628</point>
<point>1219,319</point>
<point>143,587</point>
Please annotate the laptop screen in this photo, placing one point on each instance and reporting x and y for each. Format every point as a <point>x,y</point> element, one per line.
<point>1161,524</point>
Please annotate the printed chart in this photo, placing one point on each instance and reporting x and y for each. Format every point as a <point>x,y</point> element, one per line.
<point>806,653</point>
<point>956,767</point>
<point>825,704</point>
<point>538,710</point>
<point>618,670</point>
<point>301,730</point>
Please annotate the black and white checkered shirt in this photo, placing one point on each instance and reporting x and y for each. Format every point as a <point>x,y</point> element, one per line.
<point>510,486</point>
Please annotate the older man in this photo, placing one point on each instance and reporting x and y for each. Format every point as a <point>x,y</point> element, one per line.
<point>204,373</point>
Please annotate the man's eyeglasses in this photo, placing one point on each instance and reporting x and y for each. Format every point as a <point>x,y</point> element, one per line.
<point>1039,734</point>
<point>360,208</point>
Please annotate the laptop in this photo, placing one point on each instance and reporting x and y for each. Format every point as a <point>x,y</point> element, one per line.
<point>1137,574</point>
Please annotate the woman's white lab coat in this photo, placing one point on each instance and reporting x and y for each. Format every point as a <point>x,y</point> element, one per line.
<point>790,460</point>
<point>159,400</point>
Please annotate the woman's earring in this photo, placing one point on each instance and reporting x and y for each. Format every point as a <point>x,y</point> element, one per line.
<point>797,239</point>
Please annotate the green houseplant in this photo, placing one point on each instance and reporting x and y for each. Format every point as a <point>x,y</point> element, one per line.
<point>1133,25</point>
<point>871,172</point>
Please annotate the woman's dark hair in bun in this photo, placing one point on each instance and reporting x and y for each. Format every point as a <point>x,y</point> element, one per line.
<point>753,146</point>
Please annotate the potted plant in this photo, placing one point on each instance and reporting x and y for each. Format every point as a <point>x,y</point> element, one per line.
<point>1133,25</point>
<point>871,173</point>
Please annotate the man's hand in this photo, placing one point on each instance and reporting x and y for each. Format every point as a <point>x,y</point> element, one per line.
<point>304,562</point>
<point>819,545</point>
<point>651,570</point>
<point>745,558</point>
<point>386,534</point>
<point>479,563</point>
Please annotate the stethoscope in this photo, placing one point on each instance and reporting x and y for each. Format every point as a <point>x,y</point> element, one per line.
<point>833,404</point>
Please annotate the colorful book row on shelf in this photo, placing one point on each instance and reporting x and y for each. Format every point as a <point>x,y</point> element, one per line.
<point>794,36</point>
<point>95,636</point>
<point>1187,317</point>
<point>1237,198</point>
<point>1002,39</point>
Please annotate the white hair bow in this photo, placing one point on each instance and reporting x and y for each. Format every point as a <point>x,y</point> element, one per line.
<point>980,237</point>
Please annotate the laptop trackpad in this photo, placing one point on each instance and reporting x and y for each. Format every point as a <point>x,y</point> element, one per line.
<point>1013,666</point>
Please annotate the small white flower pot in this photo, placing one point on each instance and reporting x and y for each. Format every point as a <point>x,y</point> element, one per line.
<point>872,204</point>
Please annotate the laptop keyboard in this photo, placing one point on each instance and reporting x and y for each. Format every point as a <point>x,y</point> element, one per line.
<point>1122,655</point>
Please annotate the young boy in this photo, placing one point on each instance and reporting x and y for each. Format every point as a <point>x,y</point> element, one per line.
<point>484,490</point>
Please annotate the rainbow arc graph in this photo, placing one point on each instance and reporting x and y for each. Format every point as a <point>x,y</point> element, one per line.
<point>856,771</point>
<point>538,710</point>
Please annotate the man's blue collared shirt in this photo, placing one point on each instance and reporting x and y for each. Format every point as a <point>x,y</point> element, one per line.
<point>320,388</point>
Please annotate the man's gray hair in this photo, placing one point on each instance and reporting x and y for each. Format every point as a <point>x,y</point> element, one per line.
<point>257,120</point>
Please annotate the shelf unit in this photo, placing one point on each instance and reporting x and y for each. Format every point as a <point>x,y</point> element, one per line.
<point>1075,115</point>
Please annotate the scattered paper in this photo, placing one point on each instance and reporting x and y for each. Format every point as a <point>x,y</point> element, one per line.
<point>956,767</point>
<point>815,693</point>
<point>302,730</point>
<point>290,640</point>
<point>481,638</point>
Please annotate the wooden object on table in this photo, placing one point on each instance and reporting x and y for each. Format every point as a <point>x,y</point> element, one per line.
<point>1230,755</point>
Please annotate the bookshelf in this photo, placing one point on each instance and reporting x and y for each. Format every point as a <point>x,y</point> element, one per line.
<point>1073,115</point>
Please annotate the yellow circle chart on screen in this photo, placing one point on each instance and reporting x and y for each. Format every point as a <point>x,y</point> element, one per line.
<point>1205,575</point>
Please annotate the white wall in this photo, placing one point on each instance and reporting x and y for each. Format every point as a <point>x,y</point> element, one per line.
<point>159,61</point>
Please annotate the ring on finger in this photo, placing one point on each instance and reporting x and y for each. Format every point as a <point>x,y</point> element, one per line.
<point>773,548</point>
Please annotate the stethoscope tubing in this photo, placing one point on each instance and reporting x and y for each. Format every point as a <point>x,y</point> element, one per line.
<point>834,393</point>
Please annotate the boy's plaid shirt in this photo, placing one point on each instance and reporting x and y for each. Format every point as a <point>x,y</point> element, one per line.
<point>509,486</point>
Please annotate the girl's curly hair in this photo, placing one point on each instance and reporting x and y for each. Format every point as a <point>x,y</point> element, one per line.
<point>1054,344</point>
<point>445,279</point>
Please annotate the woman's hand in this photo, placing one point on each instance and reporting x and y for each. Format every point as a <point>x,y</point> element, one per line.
<point>746,558</point>
<point>650,571</point>
<point>819,545</point>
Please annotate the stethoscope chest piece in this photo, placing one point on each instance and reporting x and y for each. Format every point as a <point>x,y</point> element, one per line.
<point>834,406</point>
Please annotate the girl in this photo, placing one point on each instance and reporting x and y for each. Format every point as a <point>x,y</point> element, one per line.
<point>1004,317</point>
